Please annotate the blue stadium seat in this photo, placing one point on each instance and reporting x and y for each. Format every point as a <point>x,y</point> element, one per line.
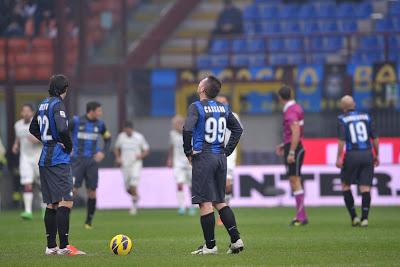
<point>268,28</point>
<point>294,44</point>
<point>327,10</point>
<point>276,44</point>
<point>316,44</point>
<point>396,23</point>
<point>249,27</point>
<point>363,10</point>
<point>349,26</point>
<point>220,60</point>
<point>374,57</point>
<point>367,57</point>
<point>288,11</point>
<point>394,8</point>
<point>383,25</point>
<point>310,27</point>
<point>371,42</point>
<point>291,27</point>
<point>255,45</point>
<point>394,56</point>
<point>278,59</point>
<point>268,11</point>
<point>250,12</point>
<point>219,45</point>
<point>307,11</point>
<point>318,58</point>
<point>240,60</point>
<point>394,43</point>
<point>296,59</point>
<point>238,45</point>
<point>203,61</point>
<point>333,43</point>
<point>257,60</point>
<point>345,10</point>
<point>329,26</point>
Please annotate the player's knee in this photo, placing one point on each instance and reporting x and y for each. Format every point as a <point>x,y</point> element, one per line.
<point>220,206</point>
<point>180,187</point>
<point>68,204</point>
<point>75,191</point>
<point>228,189</point>
<point>365,188</point>
<point>91,193</point>
<point>52,206</point>
<point>206,208</point>
<point>345,187</point>
<point>28,188</point>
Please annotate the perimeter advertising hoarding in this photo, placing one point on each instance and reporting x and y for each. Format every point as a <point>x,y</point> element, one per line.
<point>157,187</point>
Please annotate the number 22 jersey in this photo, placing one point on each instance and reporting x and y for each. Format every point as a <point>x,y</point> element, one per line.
<point>50,126</point>
<point>356,129</point>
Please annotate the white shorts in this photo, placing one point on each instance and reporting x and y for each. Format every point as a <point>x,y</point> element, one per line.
<point>131,173</point>
<point>183,175</point>
<point>230,166</point>
<point>29,171</point>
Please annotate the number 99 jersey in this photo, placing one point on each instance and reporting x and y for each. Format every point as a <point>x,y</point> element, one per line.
<point>356,129</point>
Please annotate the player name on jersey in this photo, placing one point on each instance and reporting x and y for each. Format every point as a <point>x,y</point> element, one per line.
<point>44,106</point>
<point>359,117</point>
<point>211,109</point>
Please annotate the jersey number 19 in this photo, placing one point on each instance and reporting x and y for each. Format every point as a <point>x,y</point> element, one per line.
<point>215,129</point>
<point>358,132</point>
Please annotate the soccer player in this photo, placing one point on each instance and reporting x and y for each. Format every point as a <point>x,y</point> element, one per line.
<point>231,160</point>
<point>130,149</point>
<point>181,167</point>
<point>355,130</point>
<point>205,128</point>
<point>50,126</point>
<point>87,153</point>
<point>29,149</point>
<point>292,150</point>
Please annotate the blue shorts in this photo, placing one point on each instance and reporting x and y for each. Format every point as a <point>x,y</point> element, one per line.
<point>56,183</point>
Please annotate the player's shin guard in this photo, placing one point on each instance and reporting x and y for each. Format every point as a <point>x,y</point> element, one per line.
<point>229,221</point>
<point>349,201</point>
<point>366,203</point>
<point>91,208</point>
<point>63,225</point>
<point>50,222</point>
<point>208,224</point>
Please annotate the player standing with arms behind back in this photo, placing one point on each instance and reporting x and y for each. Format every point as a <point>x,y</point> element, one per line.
<point>50,126</point>
<point>29,149</point>
<point>292,150</point>
<point>87,153</point>
<point>205,127</point>
<point>130,149</point>
<point>355,130</point>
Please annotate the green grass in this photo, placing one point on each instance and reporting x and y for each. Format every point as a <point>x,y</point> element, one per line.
<point>162,238</point>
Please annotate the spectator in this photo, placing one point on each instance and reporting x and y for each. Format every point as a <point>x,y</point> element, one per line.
<point>229,20</point>
<point>13,30</point>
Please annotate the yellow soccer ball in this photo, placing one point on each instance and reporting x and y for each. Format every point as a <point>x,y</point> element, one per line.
<point>121,245</point>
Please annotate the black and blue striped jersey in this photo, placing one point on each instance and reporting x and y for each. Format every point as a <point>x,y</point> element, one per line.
<point>356,129</point>
<point>50,126</point>
<point>86,134</point>
<point>205,127</point>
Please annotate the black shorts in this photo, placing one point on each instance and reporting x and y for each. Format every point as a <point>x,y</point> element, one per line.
<point>294,169</point>
<point>358,168</point>
<point>208,178</point>
<point>56,183</point>
<point>85,169</point>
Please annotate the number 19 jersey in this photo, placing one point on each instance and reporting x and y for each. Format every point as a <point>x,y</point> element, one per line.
<point>51,116</point>
<point>356,129</point>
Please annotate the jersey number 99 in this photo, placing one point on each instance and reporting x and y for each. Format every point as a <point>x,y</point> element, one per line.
<point>215,130</point>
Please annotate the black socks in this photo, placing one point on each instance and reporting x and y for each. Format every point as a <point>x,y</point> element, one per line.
<point>228,218</point>
<point>366,203</point>
<point>349,201</point>
<point>208,224</point>
<point>63,225</point>
<point>50,222</point>
<point>91,208</point>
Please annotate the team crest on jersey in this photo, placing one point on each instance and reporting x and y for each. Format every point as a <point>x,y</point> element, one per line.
<point>62,114</point>
<point>96,129</point>
<point>82,127</point>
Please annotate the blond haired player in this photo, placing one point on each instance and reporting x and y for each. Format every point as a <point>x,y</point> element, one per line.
<point>29,149</point>
<point>130,149</point>
<point>231,160</point>
<point>181,167</point>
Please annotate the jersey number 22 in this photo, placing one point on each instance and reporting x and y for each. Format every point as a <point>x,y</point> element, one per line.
<point>44,127</point>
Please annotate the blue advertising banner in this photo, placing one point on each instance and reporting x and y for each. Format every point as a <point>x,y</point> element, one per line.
<point>163,85</point>
<point>309,87</point>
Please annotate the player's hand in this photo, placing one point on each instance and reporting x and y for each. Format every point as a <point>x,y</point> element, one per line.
<point>190,159</point>
<point>279,150</point>
<point>376,161</point>
<point>33,139</point>
<point>169,162</point>
<point>15,149</point>
<point>99,156</point>
<point>118,161</point>
<point>290,159</point>
<point>339,163</point>
<point>62,145</point>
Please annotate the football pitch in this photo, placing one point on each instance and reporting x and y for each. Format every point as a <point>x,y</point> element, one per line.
<point>162,238</point>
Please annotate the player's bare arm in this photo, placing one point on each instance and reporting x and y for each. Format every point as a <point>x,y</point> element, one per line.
<point>339,157</point>
<point>375,143</point>
<point>144,154</point>
<point>295,128</point>
<point>170,156</point>
<point>15,147</point>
